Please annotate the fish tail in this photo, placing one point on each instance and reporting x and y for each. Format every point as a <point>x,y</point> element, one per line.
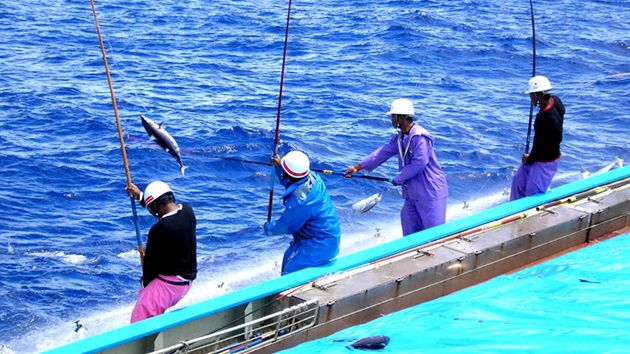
<point>183,168</point>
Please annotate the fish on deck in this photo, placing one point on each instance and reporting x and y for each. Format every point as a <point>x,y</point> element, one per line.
<point>164,139</point>
<point>371,343</point>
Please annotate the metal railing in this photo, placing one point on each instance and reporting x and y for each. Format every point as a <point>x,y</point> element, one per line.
<point>247,336</point>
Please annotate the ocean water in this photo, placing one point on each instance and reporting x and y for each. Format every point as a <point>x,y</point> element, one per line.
<point>210,70</point>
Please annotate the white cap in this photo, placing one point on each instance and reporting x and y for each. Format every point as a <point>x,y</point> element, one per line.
<point>296,164</point>
<point>155,190</point>
<point>402,106</point>
<point>539,84</point>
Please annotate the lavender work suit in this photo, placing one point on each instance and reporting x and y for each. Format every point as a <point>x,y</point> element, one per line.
<point>424,186</point>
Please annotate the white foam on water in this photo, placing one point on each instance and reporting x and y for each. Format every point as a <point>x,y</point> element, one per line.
<point>129,255</point>
<point>240,275</point>
<point>95,321</point>
<point>66,258</point>
<point>60,331</point>
<point>5,350</point>
<point>476,205</point>
<point>360,239</point>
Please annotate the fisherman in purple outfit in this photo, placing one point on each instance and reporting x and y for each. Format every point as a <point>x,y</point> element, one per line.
<point>535,174</point>
<point>424,186</point>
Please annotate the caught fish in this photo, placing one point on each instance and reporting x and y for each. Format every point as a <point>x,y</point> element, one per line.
<point>367,204</point>
<point>164,139</point>
<point>373,343</point>
<point>618,161</point>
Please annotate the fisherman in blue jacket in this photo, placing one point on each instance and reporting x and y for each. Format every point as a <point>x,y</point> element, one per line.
<point>309,215</point>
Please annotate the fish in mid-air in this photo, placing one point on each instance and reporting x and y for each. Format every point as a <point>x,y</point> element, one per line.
<point>164,139</point>
<point>366,204</point>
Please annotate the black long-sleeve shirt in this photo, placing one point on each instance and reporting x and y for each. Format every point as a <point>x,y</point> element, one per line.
<point>172,246</point>
<point>548,133</point>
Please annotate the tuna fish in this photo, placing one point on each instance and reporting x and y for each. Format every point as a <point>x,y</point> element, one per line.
<point>164,139</point>
<point>363,206</point>
<point>374,342</point>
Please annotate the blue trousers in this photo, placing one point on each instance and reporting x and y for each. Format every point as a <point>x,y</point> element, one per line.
<point>307,254</point>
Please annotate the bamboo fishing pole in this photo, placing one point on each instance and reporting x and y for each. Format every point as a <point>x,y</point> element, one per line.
<point>277,138</point>
<point>120,134</point>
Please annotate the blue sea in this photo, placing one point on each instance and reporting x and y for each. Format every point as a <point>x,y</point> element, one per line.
<point>211,72</point>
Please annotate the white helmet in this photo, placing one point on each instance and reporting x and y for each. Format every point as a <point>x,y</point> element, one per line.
<point>155,190</point>
<point>539,84</point>
<point>402,106</point>
<point>296,164</point>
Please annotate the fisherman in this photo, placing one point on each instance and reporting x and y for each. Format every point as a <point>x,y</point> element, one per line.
<point>309,215</point>
<point>538,167</point>
<point>424,186</point>
<point>170,260</point>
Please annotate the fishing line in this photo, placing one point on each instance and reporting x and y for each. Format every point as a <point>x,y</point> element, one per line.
<point>368,203</point>
<point>120,133</point>
<point>277,137</point>
<point>432,34</point>
<point>590,82</point>
<point>531,106</point>
<point>426,51</point>
<point>121,72</point>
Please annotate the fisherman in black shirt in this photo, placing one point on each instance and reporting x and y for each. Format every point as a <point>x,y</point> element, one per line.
<point>538,168</point>
<point>170,260</point>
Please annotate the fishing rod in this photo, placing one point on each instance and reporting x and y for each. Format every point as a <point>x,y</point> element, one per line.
<point>531,107</point>
<point>120,135</point>
<point>331,172</point>
<point>327,172</point>
<point>277,138</point>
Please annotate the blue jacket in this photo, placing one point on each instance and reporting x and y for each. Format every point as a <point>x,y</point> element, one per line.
<point>311,218</point>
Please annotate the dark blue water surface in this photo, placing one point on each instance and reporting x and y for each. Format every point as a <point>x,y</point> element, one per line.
<point>210,70</point>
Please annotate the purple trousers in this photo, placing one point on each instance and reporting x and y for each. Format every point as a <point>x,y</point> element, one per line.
<point>157,297</point>
<point>533,179</point>
<point>418,215</point>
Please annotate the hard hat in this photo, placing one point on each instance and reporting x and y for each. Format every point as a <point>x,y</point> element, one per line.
<point>402,106</point>
<point>296,164</point>
<point>539,84</point>
<point>155,190</point>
